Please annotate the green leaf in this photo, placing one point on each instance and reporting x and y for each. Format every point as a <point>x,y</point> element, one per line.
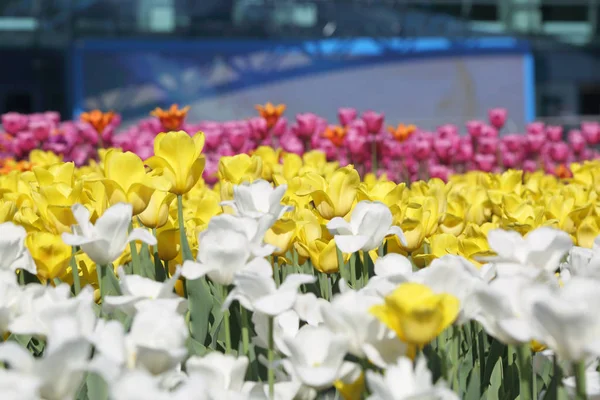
<point>474,386</point>
<point>200,304</point>
<point>146,262</point>
<point>496,352</point>
<point>97,389</point>
<point>196,348</point>
<point>494,390</point>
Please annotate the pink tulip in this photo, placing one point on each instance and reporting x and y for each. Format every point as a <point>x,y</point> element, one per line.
<point>357,145</point>
<point>489,131</point>
<point>474,128</point>
<point>421,149</point>
<point>513,142</point>
<point>554,133</point>
<point>447,131</point>
<point>53,117</point>
<point>81,154</point>
<point>443,148</point>
<point>411,165</point>
<point>40,129</point>
<point>535,128</point>
<point>510,160</point>
<point>529,166</point>
<point>14,122</point>
<point>559,152</point>
<point>464,152</point>
<point>258,128</point>
<point>237,138</point>
<point>373,120</point>
<point>280,127</point>
<point>291,144</point>
<point>225,150</point>
<point>497,117</point>
<point>487,145</point>
<point>307,124</point>
<point>440,171</point>
<point>346,115</point>
<point>576,140</point>
<point>485,162</point>
<point>591,132</point>
<point>535,142</point>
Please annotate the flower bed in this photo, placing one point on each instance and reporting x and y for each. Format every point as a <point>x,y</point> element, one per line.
<point>404,153</point>
<point>292,277</point>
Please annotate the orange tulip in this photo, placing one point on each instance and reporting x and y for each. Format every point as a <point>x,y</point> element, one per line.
<point>98,119</point>
<point>270,112</point>
<point>336,134</point>
<point>171,119</point>
<point>563,172</point>
<point>402,132</point>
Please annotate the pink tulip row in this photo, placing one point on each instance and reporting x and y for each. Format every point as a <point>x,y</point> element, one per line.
<point>404,153</point>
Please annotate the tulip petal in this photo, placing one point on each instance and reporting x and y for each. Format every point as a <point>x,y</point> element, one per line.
<point>396,230</point>
<point>350,243</point>
<point>194,270</point>
<point>142,235</point>
<point>339,226</point>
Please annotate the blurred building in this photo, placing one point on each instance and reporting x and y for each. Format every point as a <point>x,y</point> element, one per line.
<point>36,35</point>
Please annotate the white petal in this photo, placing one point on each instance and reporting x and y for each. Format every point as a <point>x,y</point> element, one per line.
<point>143,235</point>
<point>396,230</point>
<point>393,264</point>
<point>339,226</point>
<point>194,270</point>
<point>350,244</point>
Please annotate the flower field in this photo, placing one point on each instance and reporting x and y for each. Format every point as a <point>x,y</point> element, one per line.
<point>188,264</point>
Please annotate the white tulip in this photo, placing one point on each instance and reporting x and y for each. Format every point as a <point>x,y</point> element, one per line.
<point>308,307</point>
<point>457,276</point>
<point>369,224</point>
<point>287,390</point>
<point>138,385</point>
<point>401,382</point>
<point>592,385</point>
<point>135,289</point>
<point>60,371</point>
<point>225,248</point>
<point>223,374</point>
<point>48,312</point>
<point>581,262</point>
<point>285,325</point>
<point>257,292</point>
<point>390,271</point>
<point>13,253</point>
<point>107,239</point>
<point>504,308</point>
<point>258,198</point>
<point>536,255</point>
<point>566,320</point>
<point>348,315</point>
<point>157,339</point>
<point>316,356</point>
<point>19,386</point>
<point>10,299</point>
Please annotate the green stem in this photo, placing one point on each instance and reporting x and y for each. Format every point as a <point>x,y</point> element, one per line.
<point>185,246</point>
<point>557,378</point>
<point>271,359</point>
<point>525,371</point>
<point>341,264</point>
<point>580,384</point>
<point>102,270</point>
<point>367,261</point>
<point>75,272</point>
<point>135,258</point>
<point>276,271</point>
<point>226,322</point>
<point>481,353</point>
<point>441,339</point>
<point>325,286</point>
<point>353,270</point>
<point>159,270</point>
<point>245,332</point>
<point>456,339</point>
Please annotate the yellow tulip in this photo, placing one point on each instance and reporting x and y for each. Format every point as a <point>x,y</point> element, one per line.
<point>416,313</point>
<point>239,168</point>
<point>336,197</point>
<point>44,158</point>
<point>8,209</point>
<point>351,387</point>
<point>50,253</point>
<point>156,213</point>
<point>323,256</point>
<point>281,235</point>
<point>127,181</point>
<point>587,231</point>
<point>270,161</point>
<point>168,244</point>
<point>180,159</point>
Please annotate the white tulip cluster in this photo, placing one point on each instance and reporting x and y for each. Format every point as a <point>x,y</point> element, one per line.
<point>293,344</point>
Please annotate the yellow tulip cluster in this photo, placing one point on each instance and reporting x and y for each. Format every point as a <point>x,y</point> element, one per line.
<point>437,218</point>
